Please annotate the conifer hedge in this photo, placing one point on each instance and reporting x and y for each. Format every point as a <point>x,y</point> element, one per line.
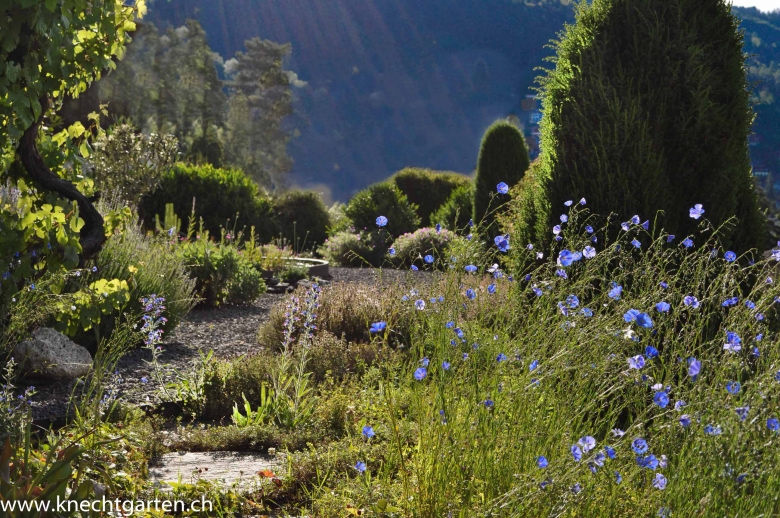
<point>647,110</point>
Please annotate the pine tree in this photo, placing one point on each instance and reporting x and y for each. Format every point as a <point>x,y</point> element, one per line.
<point>503,158</point>
<point>647,110</point>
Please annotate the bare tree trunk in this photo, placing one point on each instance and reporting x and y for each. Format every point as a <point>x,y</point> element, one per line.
<point>92,233</point>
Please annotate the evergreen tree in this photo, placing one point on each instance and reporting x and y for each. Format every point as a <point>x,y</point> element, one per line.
<point>647,110</point>
<point>503,158</point>
<point>261,99</point>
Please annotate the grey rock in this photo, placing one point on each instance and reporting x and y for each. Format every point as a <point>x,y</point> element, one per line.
<point>243,471</point>
<point>51,355</point>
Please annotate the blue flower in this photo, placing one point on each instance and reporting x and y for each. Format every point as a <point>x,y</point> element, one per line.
<point>696,211</point>
<point>659,482</point>
<point>687,243</point>
<point>501,357</point>
<point>582,201</point>
<point>639,445</point>
<point>564,218</point>
<point>568,203</point>
<point>572,301</point>
<point>533,366</point>
<point>502,188</point>
<point>471,294</point>
<point>712,430</point>
<point>491,288</point>
<point>618,478</point>
<point>420,304</point>
<point>636,362</point>
<point>471,222</point>
<point>679,404</point>
<point>378,327</point>
<point>646,224</point>
<point>730,256</point>
<point>663,284</point>
<point>733,342</point>
<point>576,488</point>
<point>742,412</point>
<point>449,325</point>
<point>562,274</point>
<point>635,220</point>
<point>651,351</point>
<point>750,304</point>
<point>670,238</point>
<point>391,251</point>
<point>381,221</point>
<point>685,420</point>
<point>630,315</point>
<point>537,291</point>
<point>586,312</point>
<point>368,432</point>
<point>425,361</point>
<point>625,226</point>
<point>662,307</point>
<point>556,230</point>
<point>692,301</point>
<point>587,443</point>
<point>589,252</point>
<point>661,399</point>
<point>610,451</point>
<point>733,301</point>
<point>542,462</point>
<point>644,320</point>
<point>588,229</point>
<point>733,387</point>
<point>566,258</point>
<point>649,462</point>
<point>576,452</point>
<point>636,243</point>
<point>428,259</point>
<point>445,366</point>
<point>360,467</point>
<point>144,380</point>
<point>414,268</point>
<point>615,292</point>
<point>502,242</point>
<point>470,268</point>
<point>420,373</point>
<point>773,424</point>
<point>488,403</point>
<point>694,368</point>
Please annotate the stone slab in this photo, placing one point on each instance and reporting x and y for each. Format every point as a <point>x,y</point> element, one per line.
<point>232,469</point>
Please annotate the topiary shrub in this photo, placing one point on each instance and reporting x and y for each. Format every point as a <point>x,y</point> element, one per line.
<point>301,218</point>
<point>428,189</point>
<point>219,195</point>
<point>387,200</point>
<point>644,117</point>
<point>503,157</point>
<point>349,248</point>
<point>455,213</point>
<point>411,249</point>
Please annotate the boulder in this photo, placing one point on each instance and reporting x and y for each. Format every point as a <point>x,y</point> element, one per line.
<point>51,355</point>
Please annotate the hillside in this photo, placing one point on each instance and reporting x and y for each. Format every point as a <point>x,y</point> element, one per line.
<point>386,84</point>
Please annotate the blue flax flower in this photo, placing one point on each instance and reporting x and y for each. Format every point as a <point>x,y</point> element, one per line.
<point>661,399</point>
<point>742,412</point>
<point>730,256</point>
<point>587,443</point>
<point>542,461</point>
<point>694,368</point>
<point>636,362</point>
<point>491,289</point>
<point>639,446</point>
<point>533,366</point>
<point>615,292</point>
<point>685,420</point>
<point>420,373</point>
<point>470,268</point>
<point>662,307</point>
<point>381,221</point>
<point>502,188</point>
<point>360,467</point>
<point>502,242</point>
<point>428,259</point>
<point>378,327</point>
<point>712,430</point>
<point>576,452</point>
<point>589,252</point>
<point>733,387</point>
<point>368,432</point>
<point>687,243</point>
<point>692,301</point>
<point>420,304</point>
<point>696,211</point>
<point>733,342</point>
<point>773,424</point>
<point>471,294</point>
<point>651,352</point>
<point>659,482</point>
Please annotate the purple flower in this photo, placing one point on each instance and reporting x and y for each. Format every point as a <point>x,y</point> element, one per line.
<point>576,452</point>
<point>694,368</point>
<point>615,292</point>
<point>692,301</point>
<point>696,211</point>
<point>659,482</point>
<point>685,420</point>
<point>568,203</point>
<point>587,443</point>
<point>636,362</point>
<point>420,304</point>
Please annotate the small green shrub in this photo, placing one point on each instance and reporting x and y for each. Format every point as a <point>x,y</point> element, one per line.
<point>387,200</point>
<point>410,249</point>
<point>456,212</point>
<point>428,189</point>
<point>301,218</point>
<point>219,195</point>
<point>294,272</point>
<point>503,157</point>
<point>207,149</point>
<point>129,164</point>
<point>221,273</point>
<point>339,221</point>
<point>354,249</point>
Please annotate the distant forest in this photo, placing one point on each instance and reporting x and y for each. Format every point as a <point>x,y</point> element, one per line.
<point>378,85</point>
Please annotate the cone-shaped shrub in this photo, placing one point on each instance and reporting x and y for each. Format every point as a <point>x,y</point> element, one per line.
<point>503,157</point>
<point>647,110</point>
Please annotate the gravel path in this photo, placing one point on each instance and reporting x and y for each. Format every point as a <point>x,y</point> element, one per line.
<point>227,330</point>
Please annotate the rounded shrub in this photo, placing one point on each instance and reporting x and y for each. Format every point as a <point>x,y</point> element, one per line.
<point>411,249</point>
<point>455,213</point>
<point>655,118</point>
<point>503,158</point>
<point>428,189</point>
<point>383,199</point>
<point>219,195</point>
<point>207,149</point>
<point>350,248</point>
<point>301,218</point>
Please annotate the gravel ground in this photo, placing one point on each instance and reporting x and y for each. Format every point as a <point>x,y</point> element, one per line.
<point>227,330</point>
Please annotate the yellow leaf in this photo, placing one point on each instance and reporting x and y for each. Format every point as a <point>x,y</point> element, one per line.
<point>76,130</point>
<point>140,7</point>
<point>132,269</point>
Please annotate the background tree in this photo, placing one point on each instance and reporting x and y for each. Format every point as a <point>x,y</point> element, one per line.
<point>647,110</point>
<point>49,48</point>
<point>261,99</point>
